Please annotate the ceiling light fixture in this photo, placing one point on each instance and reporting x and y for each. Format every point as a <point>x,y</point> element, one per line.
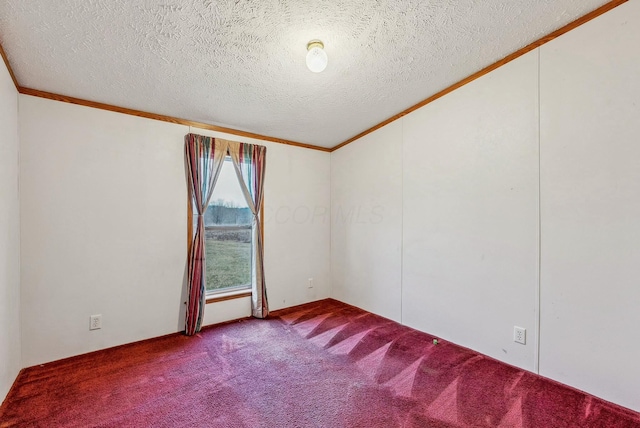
<point>316,56</point>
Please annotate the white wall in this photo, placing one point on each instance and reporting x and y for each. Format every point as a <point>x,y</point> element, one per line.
<point>470,234</point>
<point>590,163</point>
<point>9,235</point>
<point>366,228</point>
<point>517,209</point>
<point>104,228</point>
<point>103,201</point>
<point>455,252</point>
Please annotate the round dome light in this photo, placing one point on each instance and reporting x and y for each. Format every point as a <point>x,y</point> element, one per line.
<point>316,56</point>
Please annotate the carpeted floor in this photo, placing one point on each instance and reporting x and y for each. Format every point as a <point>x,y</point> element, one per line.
<point>324,364</point>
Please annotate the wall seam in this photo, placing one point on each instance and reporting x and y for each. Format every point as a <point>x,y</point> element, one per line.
<point>536,358</point>
<point>331,294</point>
<point>401,219</point>
<point>20,311</point>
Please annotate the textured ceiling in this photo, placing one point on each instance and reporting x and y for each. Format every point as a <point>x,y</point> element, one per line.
<point>241,64</point>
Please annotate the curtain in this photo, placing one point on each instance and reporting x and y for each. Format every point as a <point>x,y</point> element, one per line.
<point>204,158</point>
<point>249,163</point>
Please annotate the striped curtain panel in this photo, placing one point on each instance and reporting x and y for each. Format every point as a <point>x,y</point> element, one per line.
<point>204,158</point>
<point>249,163</point>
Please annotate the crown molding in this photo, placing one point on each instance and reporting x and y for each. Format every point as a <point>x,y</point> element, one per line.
<point>163,118</point>
<point>3,54</point>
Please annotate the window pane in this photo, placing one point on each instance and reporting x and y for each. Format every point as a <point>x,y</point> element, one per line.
<point>228,223</point>
<point>228,258</point>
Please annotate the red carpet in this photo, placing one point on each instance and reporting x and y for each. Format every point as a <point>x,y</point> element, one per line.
<point>324,364</point>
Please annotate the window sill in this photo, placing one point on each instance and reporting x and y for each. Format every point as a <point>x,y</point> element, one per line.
<point>228,295</point>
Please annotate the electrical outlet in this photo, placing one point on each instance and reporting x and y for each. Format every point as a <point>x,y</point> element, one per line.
<point>310,282</point>
<point>520,335</point>
<point>95,322</point>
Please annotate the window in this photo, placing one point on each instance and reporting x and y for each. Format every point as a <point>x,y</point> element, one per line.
<point>229,243</point>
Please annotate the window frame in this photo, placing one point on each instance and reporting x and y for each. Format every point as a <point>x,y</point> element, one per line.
<point>228,294</point>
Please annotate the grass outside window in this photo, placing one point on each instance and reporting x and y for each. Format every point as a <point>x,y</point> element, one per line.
<point>228,258</point>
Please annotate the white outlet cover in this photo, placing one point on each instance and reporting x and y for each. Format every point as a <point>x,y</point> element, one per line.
<point>520,335</point>
<point>95,322</point>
